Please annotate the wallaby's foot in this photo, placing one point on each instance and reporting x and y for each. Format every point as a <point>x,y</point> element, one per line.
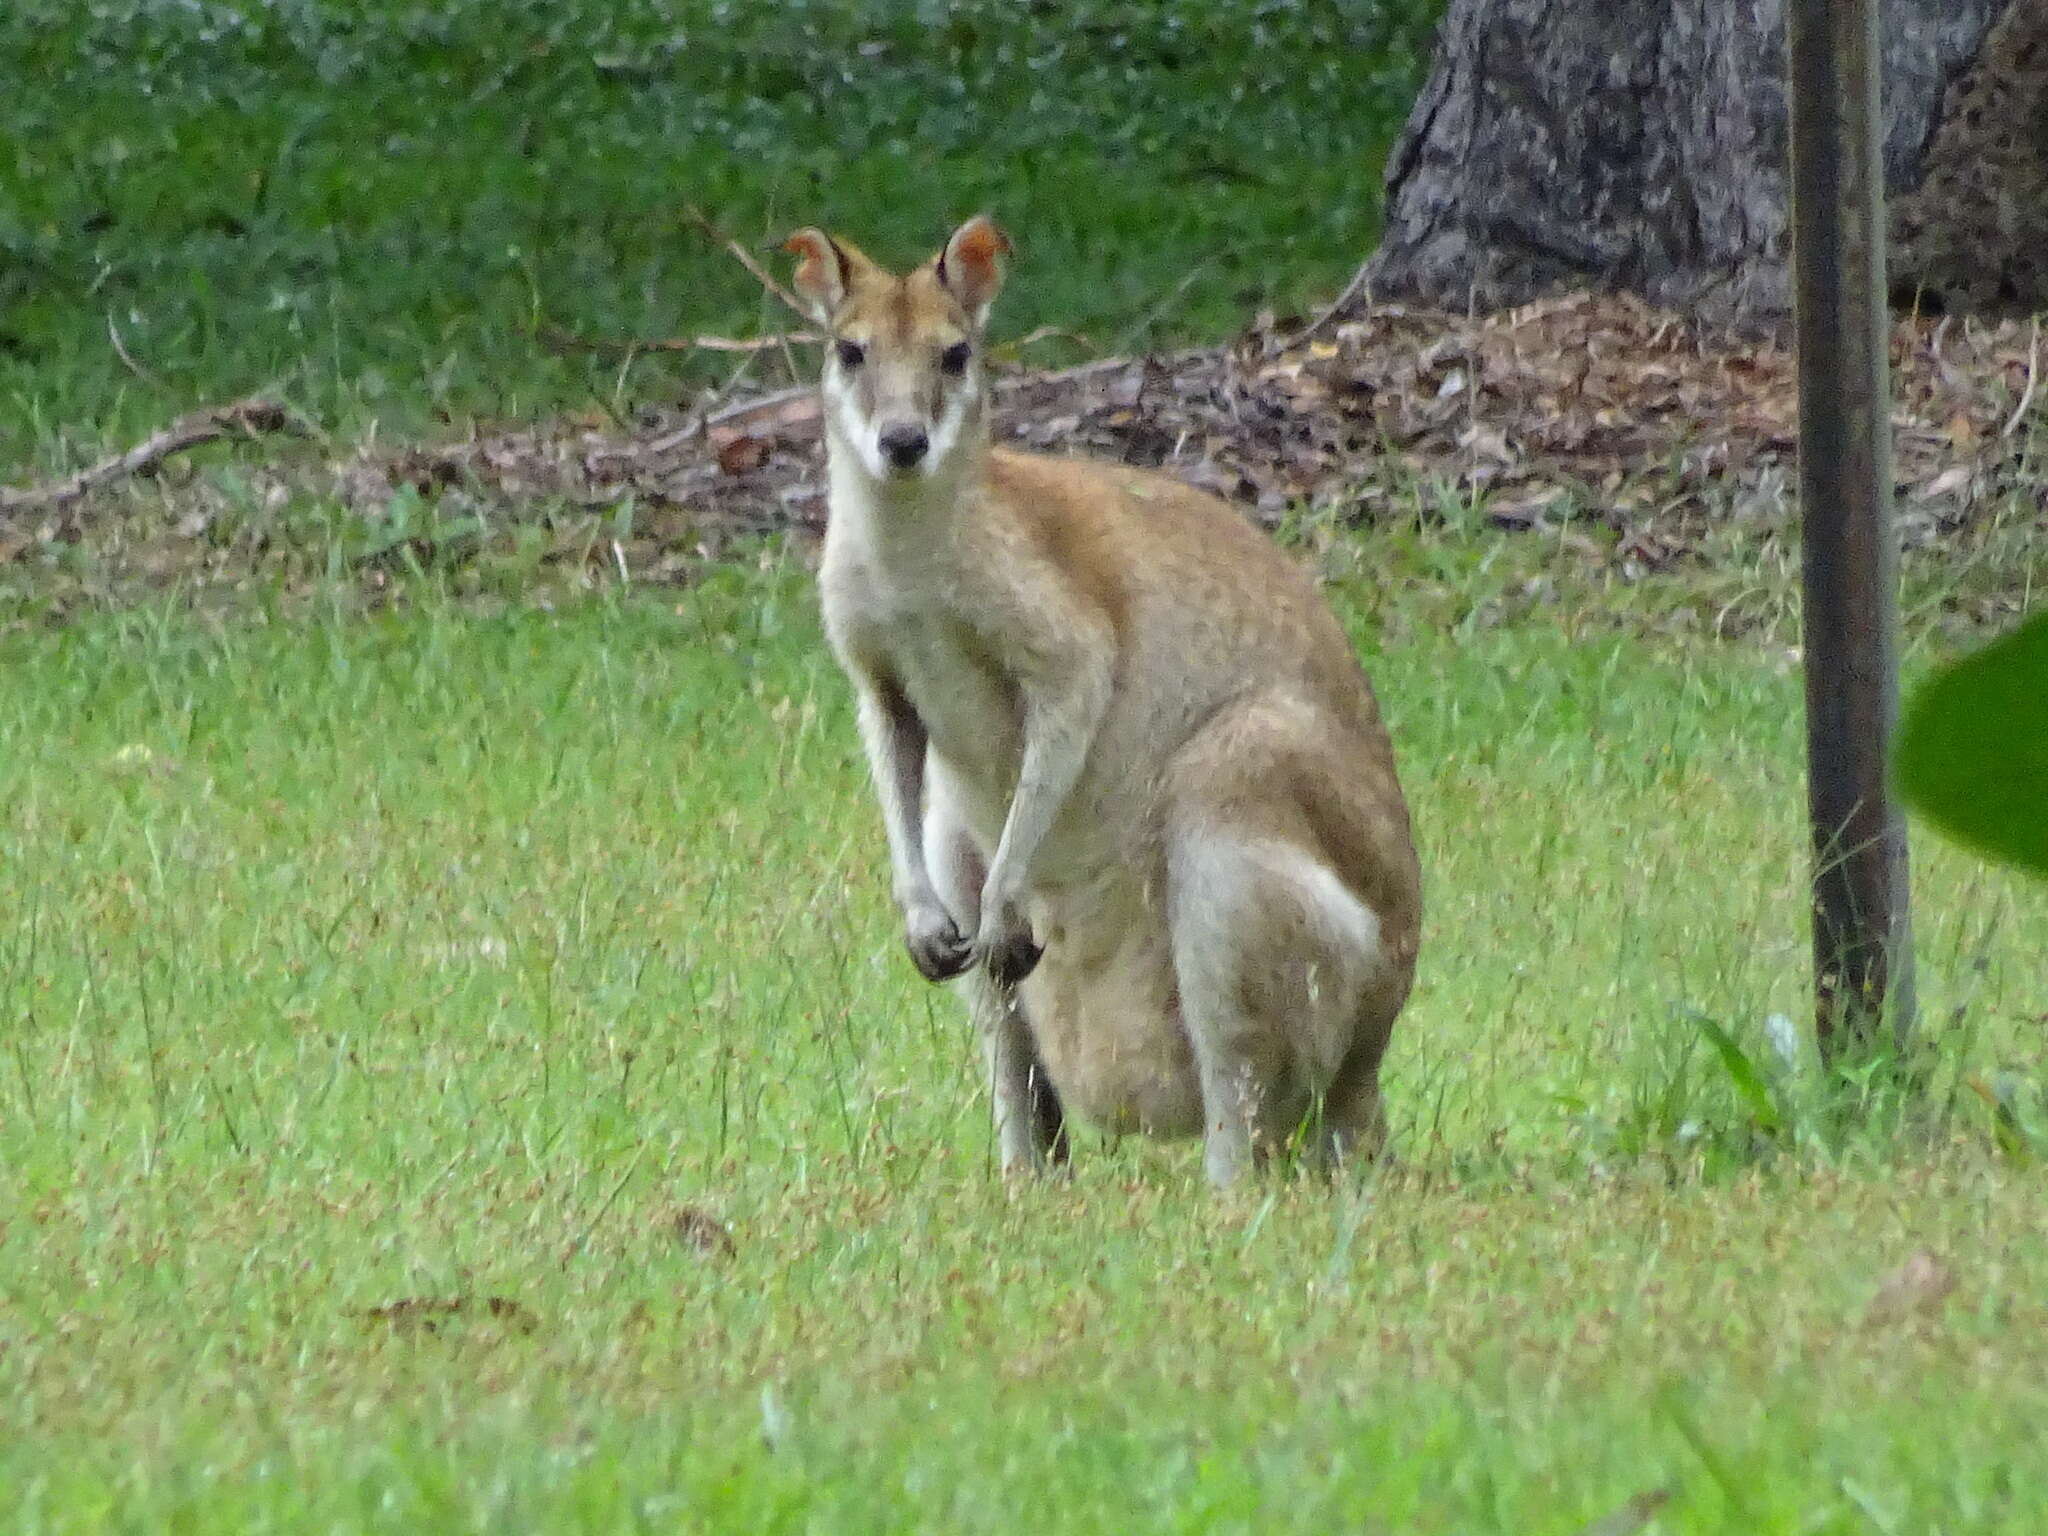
<point>1227,1156</point>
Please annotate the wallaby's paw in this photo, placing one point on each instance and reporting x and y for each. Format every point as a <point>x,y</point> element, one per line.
<point>935,944</point>
<point>1011,956</point>
<point>1004,944</point>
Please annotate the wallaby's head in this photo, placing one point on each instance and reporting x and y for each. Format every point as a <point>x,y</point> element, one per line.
<point>903,382</point>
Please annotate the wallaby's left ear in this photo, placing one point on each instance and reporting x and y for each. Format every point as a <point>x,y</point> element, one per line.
<point>971,265</point>
<point>824,272</point>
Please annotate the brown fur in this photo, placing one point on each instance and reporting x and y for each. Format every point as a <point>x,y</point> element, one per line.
<point>1128,731</point>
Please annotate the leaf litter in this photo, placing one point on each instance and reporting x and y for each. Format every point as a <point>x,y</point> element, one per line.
<point>1591,410</point>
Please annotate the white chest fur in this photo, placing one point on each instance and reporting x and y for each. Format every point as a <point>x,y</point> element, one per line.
<point>895,601</point>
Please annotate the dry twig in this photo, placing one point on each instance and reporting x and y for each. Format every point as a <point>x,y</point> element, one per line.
<point>1277,344</point>
<point>1042,333</point>
<point>746,259</point>
<point>723,413</point>
<point>1102,365</point>
<point>250,418</point>
<point>568,341</point>
<point>127,361</point>
<point>2019,411</point>
<point>741,408</point>
<point>428,1313</point>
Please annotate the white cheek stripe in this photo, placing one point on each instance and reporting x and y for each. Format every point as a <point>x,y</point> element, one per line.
<point>858,434</point>
<point>946,430</point>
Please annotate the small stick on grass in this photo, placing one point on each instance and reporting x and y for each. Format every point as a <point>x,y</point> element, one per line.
<point>1009,383</point>
<point>576,1245</point>
<point>248,418</point>
<point>767,402</point>
<point>1275,345</point>
<point>1145,322</point>
<point>1043,333</point>
<point>745,258</point>
<point>705,414</point>
<point>128,362</point>
<point>568,342</point>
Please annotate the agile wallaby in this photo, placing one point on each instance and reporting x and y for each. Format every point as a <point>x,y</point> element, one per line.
<point>1136,786</point>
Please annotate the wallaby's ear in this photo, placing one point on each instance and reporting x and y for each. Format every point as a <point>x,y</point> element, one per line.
<point>971,265</point>
<point>824,272</point>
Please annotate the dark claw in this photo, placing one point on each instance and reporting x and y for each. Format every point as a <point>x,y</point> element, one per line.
<point>940,956</point>
<point>1012,958</point>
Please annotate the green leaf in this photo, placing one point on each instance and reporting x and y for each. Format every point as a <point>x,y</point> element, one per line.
<point>1742,1072</point>
<point>1973,754</point>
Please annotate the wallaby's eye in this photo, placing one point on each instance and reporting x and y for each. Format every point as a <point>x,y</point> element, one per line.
<point>954,358</point>
<point>851,354</point>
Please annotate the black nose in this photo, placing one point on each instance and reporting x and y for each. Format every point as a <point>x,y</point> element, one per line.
<point>903,446</point>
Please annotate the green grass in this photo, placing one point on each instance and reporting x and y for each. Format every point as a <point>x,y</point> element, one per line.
<point>458,949</point>
<point>430,955</point>
<point>376,203</point>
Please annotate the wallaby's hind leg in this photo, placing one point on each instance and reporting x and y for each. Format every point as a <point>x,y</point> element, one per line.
<point>1352,1130</point>
<point>1030,1125</point>
<point>1272,955</point>
<point>1289,980</point>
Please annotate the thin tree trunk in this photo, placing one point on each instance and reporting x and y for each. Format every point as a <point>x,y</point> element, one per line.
<point>1642,144</point>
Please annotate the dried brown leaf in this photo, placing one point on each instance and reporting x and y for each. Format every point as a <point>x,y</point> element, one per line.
<point>742,454</point>
<point>427,1314</point>
<point>1951,481</point>
<point>1918,1286</point>
<point>1631,1517</point>
<point>699,1229</point>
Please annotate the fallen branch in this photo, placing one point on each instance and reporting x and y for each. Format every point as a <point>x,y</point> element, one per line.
<point>701,418</point>
<point>569,342</point>
<point>248,418</point>
<point>740,409</point>
<point>1103,365</point>
<point>1007,384</point>
<point>746,259</point>
<point>1275,345</point>
<point>1008,349</point>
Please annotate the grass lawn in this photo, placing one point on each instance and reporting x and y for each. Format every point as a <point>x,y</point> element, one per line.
<point>377,206</point>
<point>358,961</point>
<point>457,1067</point>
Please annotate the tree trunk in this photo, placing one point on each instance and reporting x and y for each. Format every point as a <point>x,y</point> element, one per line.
<point>1642,144</point>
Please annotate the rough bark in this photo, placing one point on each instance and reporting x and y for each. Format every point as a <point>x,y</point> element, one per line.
<point>1973,231</point>
<point>1642,144</point>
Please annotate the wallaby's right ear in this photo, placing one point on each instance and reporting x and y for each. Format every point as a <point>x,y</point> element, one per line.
<point>971,266</point>
<point>824,272</point>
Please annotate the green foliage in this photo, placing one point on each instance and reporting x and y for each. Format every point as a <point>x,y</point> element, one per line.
<point>380,202</point>
<point>1973,750</point>
<point>491,944</point>
<point>444,953</point>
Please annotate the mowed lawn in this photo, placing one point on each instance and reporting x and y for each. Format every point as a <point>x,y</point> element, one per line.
<point>388,211</point>
<point>528,961</point>
<point>457,1067</point>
